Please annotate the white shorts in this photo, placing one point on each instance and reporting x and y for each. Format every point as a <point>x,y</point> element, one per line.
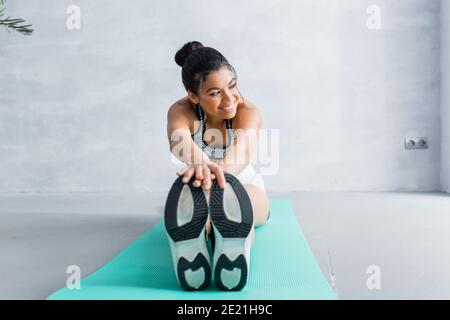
<point>250,176</point>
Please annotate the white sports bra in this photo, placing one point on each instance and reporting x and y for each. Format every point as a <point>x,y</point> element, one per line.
<point>212,152</point>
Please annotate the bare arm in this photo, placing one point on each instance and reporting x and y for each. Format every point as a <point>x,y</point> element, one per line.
<point>181,144</point>
<point>185,149</point>
<point>247,133</point>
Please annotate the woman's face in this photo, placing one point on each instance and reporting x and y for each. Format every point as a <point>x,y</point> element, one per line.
<point>219,95</point>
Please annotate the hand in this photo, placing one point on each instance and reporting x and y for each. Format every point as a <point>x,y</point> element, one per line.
<point>204,174</point>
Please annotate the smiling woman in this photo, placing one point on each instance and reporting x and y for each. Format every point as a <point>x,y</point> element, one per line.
<point>214,132</point>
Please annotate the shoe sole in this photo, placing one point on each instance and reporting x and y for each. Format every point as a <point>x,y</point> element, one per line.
<point>187,242</point>
<point>231,255</point>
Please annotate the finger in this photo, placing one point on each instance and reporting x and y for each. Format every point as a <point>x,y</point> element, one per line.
<point>199,172</point>
<point>206,178</point>
<point>197,183</point>
<point>188,174</point>
<point>220,177</point>
<point>182,171</point>
<point>213,176</point>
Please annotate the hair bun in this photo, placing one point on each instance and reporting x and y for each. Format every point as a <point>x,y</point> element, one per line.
<point>185,52</point>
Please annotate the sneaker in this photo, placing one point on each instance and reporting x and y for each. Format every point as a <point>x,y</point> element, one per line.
<point>185,217</point>
<point>232,221</point>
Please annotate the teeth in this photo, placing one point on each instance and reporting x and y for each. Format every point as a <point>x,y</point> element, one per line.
<point>230,107</point>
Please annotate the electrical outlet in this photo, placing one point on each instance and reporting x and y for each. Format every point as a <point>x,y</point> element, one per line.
<point>416,143</point>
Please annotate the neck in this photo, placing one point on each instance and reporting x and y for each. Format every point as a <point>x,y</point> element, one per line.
<point>214,123</point>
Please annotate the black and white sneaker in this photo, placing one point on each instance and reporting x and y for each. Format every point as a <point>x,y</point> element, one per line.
<point>185,218</point>
<point>232,221</point>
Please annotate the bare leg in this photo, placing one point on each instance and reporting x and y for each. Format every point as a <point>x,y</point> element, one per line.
<point>260,204</point>
<point>208,221</point>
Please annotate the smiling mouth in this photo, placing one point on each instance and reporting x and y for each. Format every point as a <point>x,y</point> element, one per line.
<point>230,108</point>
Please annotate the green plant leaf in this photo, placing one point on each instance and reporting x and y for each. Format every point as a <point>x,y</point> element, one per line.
<point>14,24</point>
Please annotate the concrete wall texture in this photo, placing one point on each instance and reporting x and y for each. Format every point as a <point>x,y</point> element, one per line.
<point>344,82</point>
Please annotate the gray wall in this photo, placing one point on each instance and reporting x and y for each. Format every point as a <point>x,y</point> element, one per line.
<point>445,101</point>
<point>85,110</point>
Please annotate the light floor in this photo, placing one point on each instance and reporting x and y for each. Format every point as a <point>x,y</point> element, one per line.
<point>405,236</point>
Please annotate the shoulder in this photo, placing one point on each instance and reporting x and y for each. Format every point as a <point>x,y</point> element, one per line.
<point>248,115</point>
<point>182,111</point>
<point>181,107</point>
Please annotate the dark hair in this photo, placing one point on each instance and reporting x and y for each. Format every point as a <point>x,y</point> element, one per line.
<point>197,62</point>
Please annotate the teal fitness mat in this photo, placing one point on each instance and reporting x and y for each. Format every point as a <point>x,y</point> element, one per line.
<point>282,267</point>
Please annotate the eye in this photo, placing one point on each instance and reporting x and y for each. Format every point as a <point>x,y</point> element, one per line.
<point>217,92</point>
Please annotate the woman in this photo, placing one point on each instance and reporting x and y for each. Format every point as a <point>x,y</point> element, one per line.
<point>215,132</point>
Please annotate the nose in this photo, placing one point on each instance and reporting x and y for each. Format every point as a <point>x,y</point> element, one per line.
<point>229,98</point>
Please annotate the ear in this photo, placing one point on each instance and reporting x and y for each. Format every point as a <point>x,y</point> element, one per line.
<point>193,97</point>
